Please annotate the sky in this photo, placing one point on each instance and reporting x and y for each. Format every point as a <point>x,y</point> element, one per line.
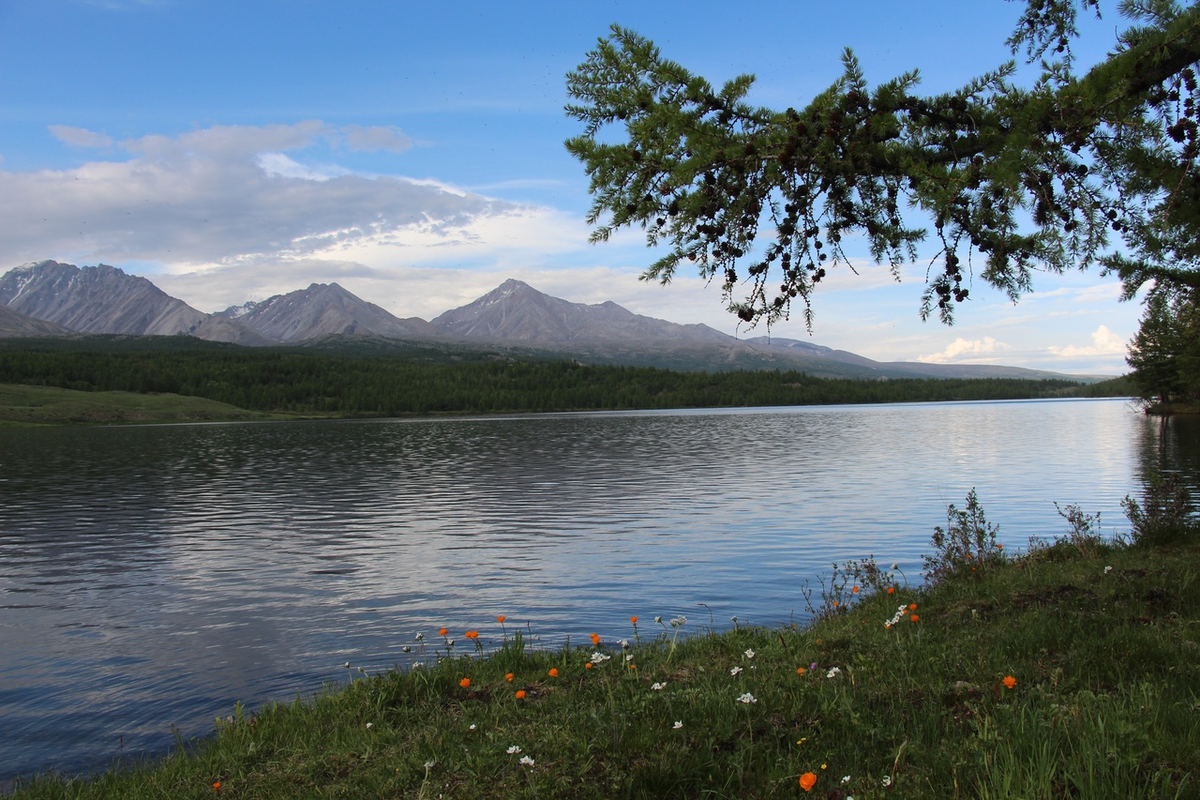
<point>231,150</point>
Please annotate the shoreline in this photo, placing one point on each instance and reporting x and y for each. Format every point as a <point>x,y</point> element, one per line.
<point>922,704</point>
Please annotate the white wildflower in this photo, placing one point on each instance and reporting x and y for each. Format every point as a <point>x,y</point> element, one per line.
<point>678,724</point>
<point>599,658</point>
<point>833,672</point>
<point>658,620</point>
<point>749,654</point>
<point>420,637</point>
<point>527,761</point>
<point>1107,570</point>
<point>430,764</point>
<point>887,780</point>
<point>512,751</point>
<point>346,665</point>
<point>658,687</point>
<point>734,672</point>
<point>406,649</point>
<point>747,698</point>
<point>896,565</point>
<point>370,724</point>
<point>629,656</point>
<point>624,643</point>
<point>845,779</point>
<point>678,622</point>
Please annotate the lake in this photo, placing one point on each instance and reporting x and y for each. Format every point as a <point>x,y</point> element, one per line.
<point>151,577</point>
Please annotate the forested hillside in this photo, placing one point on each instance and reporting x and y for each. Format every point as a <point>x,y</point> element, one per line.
<point>342,383</point>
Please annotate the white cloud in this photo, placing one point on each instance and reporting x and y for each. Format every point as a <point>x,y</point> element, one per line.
<point>1104,343</point>
<point>79,137</point>
<point>963,350</point>
<point>376,138</point>
<point>233,195</point>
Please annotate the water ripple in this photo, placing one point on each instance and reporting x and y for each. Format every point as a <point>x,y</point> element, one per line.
<point>152,577</point>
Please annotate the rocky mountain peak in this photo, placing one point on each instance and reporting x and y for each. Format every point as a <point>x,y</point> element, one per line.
<point>323,310</point>
<point>103,299</point>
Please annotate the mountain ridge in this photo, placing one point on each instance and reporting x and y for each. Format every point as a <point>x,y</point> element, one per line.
<point>104,299</point>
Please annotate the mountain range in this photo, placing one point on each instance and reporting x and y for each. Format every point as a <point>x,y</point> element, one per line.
<point>49,298</point>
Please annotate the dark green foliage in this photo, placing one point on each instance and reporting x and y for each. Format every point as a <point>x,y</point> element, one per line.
<point>1075,170</point>
<point>1165,354</point>
<point>1166,514</point>
<point>296,381</point>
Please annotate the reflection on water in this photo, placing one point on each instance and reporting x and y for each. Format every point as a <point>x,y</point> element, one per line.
<point>153,576</point>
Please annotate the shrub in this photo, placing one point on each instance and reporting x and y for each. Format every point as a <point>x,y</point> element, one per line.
<point>966,544</point>
<point>1165,515</point>
<point>1085,529</point>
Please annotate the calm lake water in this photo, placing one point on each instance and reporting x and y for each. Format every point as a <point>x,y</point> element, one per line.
<point>151,577</point>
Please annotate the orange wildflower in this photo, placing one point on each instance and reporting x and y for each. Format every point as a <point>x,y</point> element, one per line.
<point>912,606</point>
<point>596,639</point>
<point>633,620</point>
<point>807,781</point>
<point>1010,681</point>
<point>588,665</point>
<point>835,603</point>
<point>854,590</point>
<point>520,694</point>
<point>472,634</point>
<point>500,619</point>
<point>442,631</point>
<point>915,618</point>
<point>216,786</point>
<point>553,673</point>
<point>799,670</point>
<point>508,677</point>
<point>465,682</point>
<point>891,590</point>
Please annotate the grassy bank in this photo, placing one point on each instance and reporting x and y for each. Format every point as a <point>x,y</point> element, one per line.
<point>47,405</point>
<point>1070,671</point>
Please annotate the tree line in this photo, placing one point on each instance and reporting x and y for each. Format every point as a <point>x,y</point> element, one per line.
<point>292,380</point>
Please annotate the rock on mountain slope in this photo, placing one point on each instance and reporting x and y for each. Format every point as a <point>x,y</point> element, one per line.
<point>323,310</point>
<point>516,312</point>
<point>104,299</point>
<point>13,323</point>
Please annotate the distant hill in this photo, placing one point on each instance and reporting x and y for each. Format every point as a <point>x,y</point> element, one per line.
<point>909,369</point>
<point>104,299</point>
<point>323,310</point>
<point>513,319</point>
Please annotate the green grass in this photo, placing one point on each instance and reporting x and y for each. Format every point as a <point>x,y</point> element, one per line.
<point>45,405</point>
<point>1103,642</point>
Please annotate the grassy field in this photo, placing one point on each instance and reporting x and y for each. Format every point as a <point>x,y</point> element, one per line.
<point>43,405</point>
<point>1072,670</point>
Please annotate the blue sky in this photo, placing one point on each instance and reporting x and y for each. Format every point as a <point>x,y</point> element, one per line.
<point>229,151</point>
